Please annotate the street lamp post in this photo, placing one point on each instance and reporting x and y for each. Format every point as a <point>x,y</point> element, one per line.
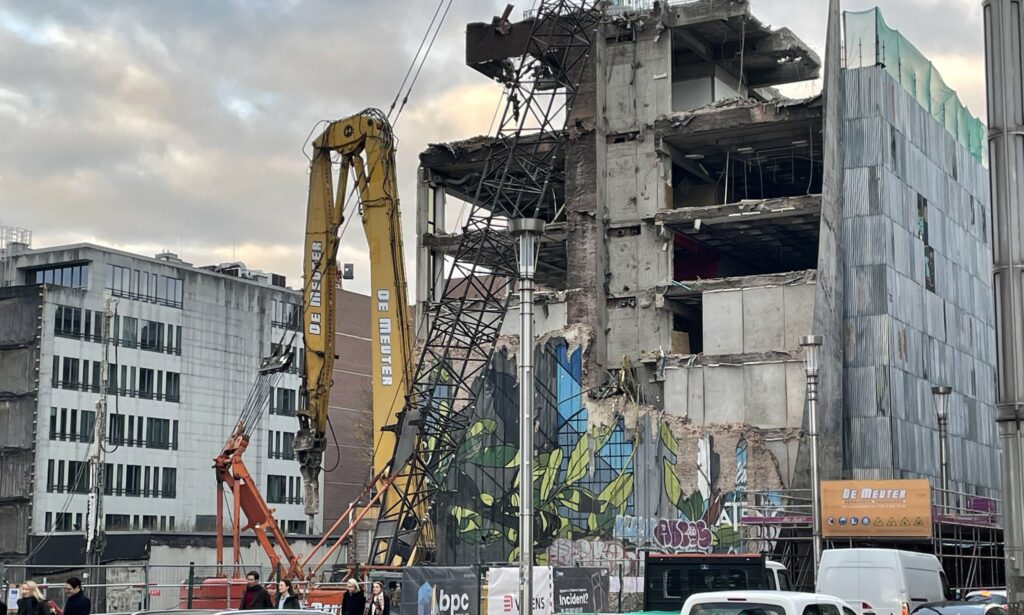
<point>528,230</point>
<point>941,396</point>
<point>812,345</point>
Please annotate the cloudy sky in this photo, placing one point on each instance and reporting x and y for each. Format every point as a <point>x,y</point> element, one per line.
<point>149,125</point>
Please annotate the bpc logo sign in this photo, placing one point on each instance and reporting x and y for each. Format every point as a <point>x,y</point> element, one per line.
<point>435,601</point>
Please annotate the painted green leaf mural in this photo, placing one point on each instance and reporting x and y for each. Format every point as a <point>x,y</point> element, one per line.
<point>617,492</point>
<point>693,506</point>
<point>494,456</point>
<point>668,439</point>
<point>579,460</point>
<point>673,489</point>
<point>550,473</point>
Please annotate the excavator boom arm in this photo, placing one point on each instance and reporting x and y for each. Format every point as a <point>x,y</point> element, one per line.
<point>364,146</point>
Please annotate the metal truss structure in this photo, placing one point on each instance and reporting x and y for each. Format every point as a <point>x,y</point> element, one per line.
<point>518,180</point>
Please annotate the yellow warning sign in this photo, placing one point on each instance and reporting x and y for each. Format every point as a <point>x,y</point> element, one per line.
<point>876,508</point>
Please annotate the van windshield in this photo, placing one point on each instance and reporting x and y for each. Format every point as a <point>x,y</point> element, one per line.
<point>736,608</point>
<point>876,586</point>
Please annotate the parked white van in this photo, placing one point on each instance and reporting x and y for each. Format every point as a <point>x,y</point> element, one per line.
<point>882,581</point>
<point>763,602</point>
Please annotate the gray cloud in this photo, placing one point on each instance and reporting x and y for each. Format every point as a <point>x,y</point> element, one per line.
<point>151,125</point>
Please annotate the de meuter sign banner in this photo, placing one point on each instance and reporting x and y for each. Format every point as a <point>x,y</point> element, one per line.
<point>503,590</point>
<point>876,508</point>
<point>429,590</point>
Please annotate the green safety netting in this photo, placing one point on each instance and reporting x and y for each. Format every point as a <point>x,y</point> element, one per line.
<point>869,41</point>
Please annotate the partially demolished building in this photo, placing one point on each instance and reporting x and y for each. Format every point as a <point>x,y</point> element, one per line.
<point>707,223</point>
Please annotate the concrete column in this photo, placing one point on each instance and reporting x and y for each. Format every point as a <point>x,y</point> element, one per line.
<point>586,251</point>
<point>430,212</point>
<point>1003,30</point>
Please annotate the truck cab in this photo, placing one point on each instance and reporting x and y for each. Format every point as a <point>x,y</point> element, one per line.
<point>670,579</point>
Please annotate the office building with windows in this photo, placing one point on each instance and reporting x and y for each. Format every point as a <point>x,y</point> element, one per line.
<point>185,346</point>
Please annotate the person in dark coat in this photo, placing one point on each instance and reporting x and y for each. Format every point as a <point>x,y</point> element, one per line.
<point>286,598</point>
<point>77,602</point>
<point>379,603</point>
<point>255,596</point>
<point>32,601</point>
<point>354,601</point>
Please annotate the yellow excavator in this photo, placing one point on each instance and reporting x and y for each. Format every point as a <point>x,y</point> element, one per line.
<point>362,144</point>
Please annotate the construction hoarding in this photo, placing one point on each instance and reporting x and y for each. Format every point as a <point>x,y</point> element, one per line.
<point>876,508</point>
<point>428,590</point>
<point>503,590</point>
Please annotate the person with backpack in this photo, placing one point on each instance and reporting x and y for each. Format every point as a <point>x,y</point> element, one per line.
<point>77,602</point>
<point>32,601</point>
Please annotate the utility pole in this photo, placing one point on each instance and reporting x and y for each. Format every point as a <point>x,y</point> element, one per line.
<point>1006,171</point>
<point>95,537</point>
<point>528,230</point>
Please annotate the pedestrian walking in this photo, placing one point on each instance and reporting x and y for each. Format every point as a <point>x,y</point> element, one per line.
<point>286,598</point>
<point>32,601</point>
<point>255,596</point>
<point>77,602</point>
<point>354,601</point>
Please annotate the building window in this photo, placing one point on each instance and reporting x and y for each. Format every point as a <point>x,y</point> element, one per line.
<point>151,335</point>
<point>63,522</point>
<point>172,390</point>
<point>143,286</point>
<point>129,332</point>
<point>146,383</point>
<point>68,322</point>
<point>285,314</point>
<point>69,373</point>
<point>118,522</point>
<point>115,431</point>
<point>133,480</point>
<point>277,489</point>
<point>170,482</point>
<point>296,527</point>
<point>71,425</point>
<point>72,276</point>
<point>283,402</point>
<point>158,433</point>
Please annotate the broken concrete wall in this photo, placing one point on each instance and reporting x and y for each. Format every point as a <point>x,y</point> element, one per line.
<point>613,475</point>
<point>752,320</point>
<point>639,90</point>
<point>20,318</point>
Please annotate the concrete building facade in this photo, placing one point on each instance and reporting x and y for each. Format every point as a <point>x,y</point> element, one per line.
<point>704,225</point>
<point>186,345</point>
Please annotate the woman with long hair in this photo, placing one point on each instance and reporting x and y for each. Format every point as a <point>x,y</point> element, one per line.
<point>286,598</point>
<point>32,601</point>
<point>379,603</point>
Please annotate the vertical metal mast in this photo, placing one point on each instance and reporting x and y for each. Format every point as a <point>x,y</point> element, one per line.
<point>1003,30</point>
<point>95,537</point>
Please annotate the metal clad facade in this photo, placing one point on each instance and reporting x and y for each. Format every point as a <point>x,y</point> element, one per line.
<point>919,296</point>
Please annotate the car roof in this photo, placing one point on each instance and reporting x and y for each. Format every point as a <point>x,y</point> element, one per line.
<point>769,596</point>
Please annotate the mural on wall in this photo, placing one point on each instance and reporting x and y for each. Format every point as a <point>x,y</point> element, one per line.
<point>598,485</point>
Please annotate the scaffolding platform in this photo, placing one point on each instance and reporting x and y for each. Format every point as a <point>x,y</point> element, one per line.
<point>967,537</point>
